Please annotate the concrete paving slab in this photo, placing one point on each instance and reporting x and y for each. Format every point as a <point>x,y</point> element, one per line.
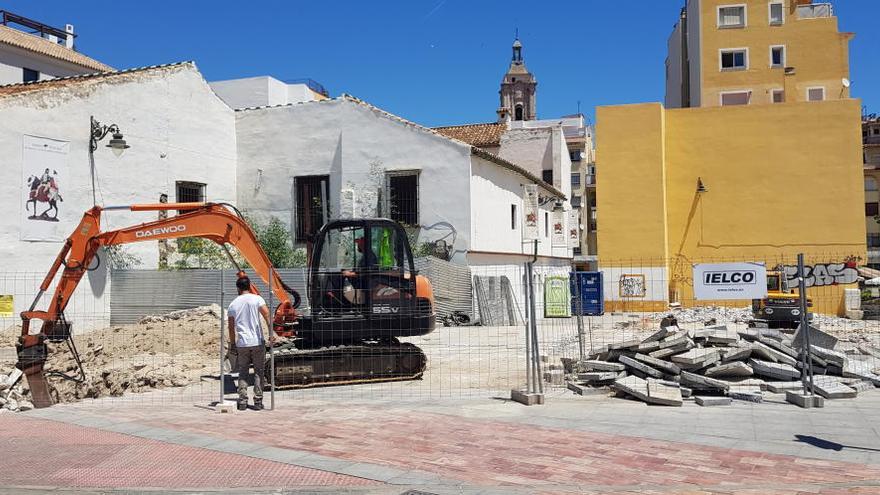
<point>708,401</point>
<point>641,367</point>
<point>830,356</point>
<point>771,354</point>
<point>697,356</point>
<point>663,394</point>
<point>781,387</point>
<point>777,371</point>
<point>817,338</point>
<point>734,369</point>
<point>597,365</point>
<point>833,389</point>
<point>699,382</point>
<point>659,364</point>
<point>778,346</point>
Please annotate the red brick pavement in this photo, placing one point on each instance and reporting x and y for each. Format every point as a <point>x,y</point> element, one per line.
<point>36,452</point>
<point>493,453</point>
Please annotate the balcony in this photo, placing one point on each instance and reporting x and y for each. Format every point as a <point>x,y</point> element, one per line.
<point>815,11</point>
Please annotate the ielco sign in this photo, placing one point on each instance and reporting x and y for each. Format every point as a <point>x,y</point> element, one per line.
<point>730,281</point>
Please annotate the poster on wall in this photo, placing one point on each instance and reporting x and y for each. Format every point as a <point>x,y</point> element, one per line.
<point>44,176</point>
<point>730,281</point>
<point>574,228</point>
<point>559,239</point>
<point>530,212</point>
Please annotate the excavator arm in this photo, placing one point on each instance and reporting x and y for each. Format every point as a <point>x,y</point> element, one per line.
<point>212,221</point>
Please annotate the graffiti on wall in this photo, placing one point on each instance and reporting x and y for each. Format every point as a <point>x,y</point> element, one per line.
<point>823,274</point>
<point>632,286</point>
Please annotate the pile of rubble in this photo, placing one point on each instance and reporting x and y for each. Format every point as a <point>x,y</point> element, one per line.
<point>13,394</point>
<point>715,364</point>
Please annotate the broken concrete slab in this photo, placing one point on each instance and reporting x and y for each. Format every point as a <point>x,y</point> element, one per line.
<point>817,338</point>
<point>778,357</point>
<point>686,392</point>
<point>833,389</point>
<point>723,338</point>
<point>647,346</point>
<point>736,368</point>
<point>861,369</point>
<point>666,366</point>
<point>861,386</point>
<point>664,353</point>
<point>586,390</point>
<point>675,340</point>
<point>699,382</point>
<point>830,356</point>
<point>761,351</point>
<point>697,356</point>
<point>660,334</point>
<point>735,354</point>
<point>782,387</point>
<point>778,346</point>
<point>778,371</point>
<point>624,345</point>
<point>664,394</point>
<point>745,394</point>
<point>598,376</point>
<point>596,365</point>
<point>712,401</point>
<point>641,367</point>
<point>869,350</point>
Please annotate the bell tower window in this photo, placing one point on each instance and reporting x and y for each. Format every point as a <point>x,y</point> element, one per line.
<point>518,114</point>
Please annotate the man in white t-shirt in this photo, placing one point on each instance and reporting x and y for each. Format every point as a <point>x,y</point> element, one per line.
<point>246,334</point>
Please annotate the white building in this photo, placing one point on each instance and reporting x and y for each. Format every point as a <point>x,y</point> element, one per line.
<point>182,141</point>
<point>267,91</point>
<point>48,53</point>
<point>357,160</point>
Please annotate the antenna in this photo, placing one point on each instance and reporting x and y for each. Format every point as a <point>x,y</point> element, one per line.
<point>579,107</point>
<point>516,33</point>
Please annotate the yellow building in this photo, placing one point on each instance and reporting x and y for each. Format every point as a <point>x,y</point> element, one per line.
<point>736,52</point>
<point>751,182</point>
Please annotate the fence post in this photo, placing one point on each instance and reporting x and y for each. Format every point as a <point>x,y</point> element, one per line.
<point>222,339</point>
<point>807,371</point>
<point>579,307</point>
<point>271,346</point>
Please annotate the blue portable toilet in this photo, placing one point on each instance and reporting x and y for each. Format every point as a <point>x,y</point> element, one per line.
<point>591,292</point>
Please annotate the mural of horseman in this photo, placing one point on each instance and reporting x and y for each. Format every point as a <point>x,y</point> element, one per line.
<point>44,189</point>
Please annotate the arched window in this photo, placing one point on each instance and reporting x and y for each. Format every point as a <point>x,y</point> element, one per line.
<point>518,113</point>
<point>870,184</point>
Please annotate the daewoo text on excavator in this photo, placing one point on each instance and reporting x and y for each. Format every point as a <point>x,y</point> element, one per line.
<point>363,287</point>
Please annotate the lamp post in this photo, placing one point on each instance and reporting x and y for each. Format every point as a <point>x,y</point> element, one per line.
<point>99,131</point>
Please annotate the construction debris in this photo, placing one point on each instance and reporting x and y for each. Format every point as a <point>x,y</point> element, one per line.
<point>722,364</point>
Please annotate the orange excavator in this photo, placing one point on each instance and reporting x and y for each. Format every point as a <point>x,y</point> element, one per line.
<point>362,281</point>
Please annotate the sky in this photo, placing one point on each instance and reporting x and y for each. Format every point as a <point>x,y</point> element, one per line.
<point>436,62</point>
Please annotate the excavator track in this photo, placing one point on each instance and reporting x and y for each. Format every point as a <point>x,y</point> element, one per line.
<point>347,365</point>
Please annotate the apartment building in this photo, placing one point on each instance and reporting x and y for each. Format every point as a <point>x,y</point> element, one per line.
<point>871,157</point>
<point>753,52</point>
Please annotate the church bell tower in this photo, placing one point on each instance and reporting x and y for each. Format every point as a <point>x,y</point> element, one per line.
<point>517,89</point>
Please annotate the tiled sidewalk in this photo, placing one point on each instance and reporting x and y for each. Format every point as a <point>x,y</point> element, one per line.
<point>447,453</point>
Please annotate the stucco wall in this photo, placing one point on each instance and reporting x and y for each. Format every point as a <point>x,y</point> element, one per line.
<point>355,145</point>
<point>177,128</point>
<point>261,91</point>
<point>12,59</point>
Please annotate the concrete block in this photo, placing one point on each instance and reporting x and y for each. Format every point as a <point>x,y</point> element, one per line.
<point>594,365</point>
<point>805,401</point>
<point>828,355</point>
<point>699,382</point>
<point>747,394</point>
<point>641,367</point>
<point>731,354</point>
<point>686,392</point>
<point>831,389</point>
<point>586,390</point>
<point>782,387</point>
<point>598,376</point>
<point>777,371</point>
<point>664,394</point>
<point>226,407</point>
<point>736,368</point>
<point>12,378</point>
<point>817,338</point>
<point>769,354</point>
<point>726,338</point>
<point>526,399</point>
<point>665,353</point>
<point>778,346</point>
<point>704,357</point>
<point>712,401</point>
<point>659,364</point>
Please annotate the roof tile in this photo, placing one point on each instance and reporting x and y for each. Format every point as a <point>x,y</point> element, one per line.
<point>45,47</point>
<point>488,134</point>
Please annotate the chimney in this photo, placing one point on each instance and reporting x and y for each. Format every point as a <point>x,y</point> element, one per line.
<point>68,42</point>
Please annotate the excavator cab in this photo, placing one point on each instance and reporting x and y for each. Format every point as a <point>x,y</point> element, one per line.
<point>363,284</point>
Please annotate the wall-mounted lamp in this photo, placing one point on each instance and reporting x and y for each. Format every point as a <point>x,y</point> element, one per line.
<point>701,188</point>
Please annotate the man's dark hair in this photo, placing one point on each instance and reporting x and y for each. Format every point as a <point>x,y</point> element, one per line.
<point>243,284</point>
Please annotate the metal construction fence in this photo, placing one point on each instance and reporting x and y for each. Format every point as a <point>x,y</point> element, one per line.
<point>155,336</point>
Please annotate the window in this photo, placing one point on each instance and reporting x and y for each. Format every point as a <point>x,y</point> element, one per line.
<point>732,16</point>
<point>547,176</point>
<point>736,98</point>
<point>735,59</point>
<point>871,209</point>
<point>29,75</point>
<point>778,96</point>
<point>512,217</point>
<point>777,56</point>
<point>777,14</point>
<point>575,155</point>
<point>870,184</point>
<point>190,192</point>
<point>575,201</point>
<point>309,195</point>
<point>403,197</point>
<point>518,113</point>
<point>816,94</point>
<point>575,180</point>
<point>877,132</point>
<point>546,224</point>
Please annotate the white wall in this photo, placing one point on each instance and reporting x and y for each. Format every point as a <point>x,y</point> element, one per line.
<point>531,149</point>
<point>674,68</point>
<point>355,145</point>
<point>260,91</point>
<point>177,128</point>
<point>13,59</point>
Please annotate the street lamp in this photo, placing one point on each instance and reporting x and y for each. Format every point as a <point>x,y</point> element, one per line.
<point>99,131</point>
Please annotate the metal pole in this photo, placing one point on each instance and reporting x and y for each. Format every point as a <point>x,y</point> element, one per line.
<point>222,338</point>
<point>92,144</point>
<point>807,372</point>
<point>533,330</point>
<point>271,347</point>
<point>579,307</point>
<point>528,326</point>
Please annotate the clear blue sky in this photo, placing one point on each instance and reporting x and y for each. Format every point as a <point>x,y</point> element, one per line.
<point>436,62</point>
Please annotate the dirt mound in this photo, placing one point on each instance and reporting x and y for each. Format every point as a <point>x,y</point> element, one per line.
<point>171,350</point>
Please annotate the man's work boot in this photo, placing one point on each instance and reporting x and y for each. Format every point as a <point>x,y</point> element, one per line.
<point>242,404</point>
<point>258,403</point>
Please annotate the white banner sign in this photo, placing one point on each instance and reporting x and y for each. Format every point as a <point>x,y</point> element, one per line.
<point>44,175</point>
<point>730,281</point>
<point>557,229</point>
<point>574,228</point>
<point>530,212</point>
